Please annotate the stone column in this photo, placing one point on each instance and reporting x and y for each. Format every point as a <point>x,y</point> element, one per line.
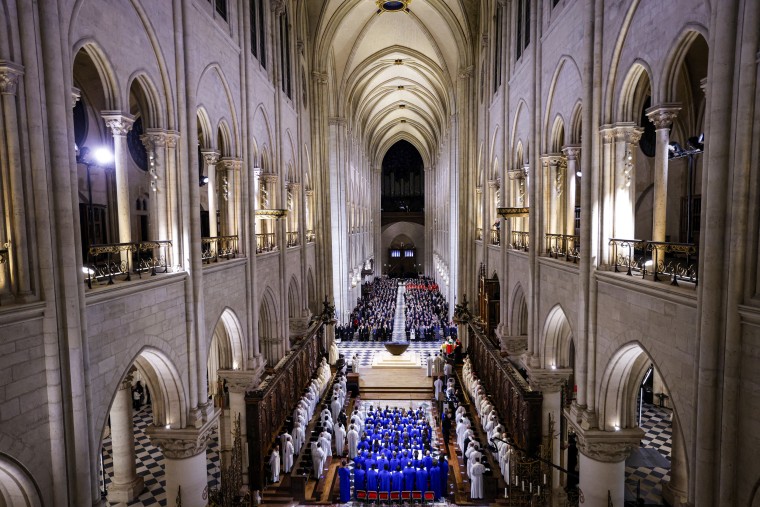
<point>675,492</point>
<point>493,189</point>
<point>15,209</point>
<point>172,195</point>
<point>238,382</point>
<point>120,124</point>
<point>602,464</point>
<point>550,383</point>
<point>572,155</point>
<point>211,157</point>
<point>185,462</point>
<point>126,485</point>
<point>479,212</point>
<point>231,195</point>
<point>606,179</point>
<point>662,116</point>
<point>627,136</point>
<point>155,144</point>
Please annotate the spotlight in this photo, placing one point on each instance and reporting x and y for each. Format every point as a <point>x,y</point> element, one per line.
<point>203,180</point>
<point>675,150</point>
<point>102,156</point>
<point>697,142</point>
<point>578,174</point>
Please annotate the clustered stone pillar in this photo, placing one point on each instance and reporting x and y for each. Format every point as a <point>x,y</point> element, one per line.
<point>211,158</point>
<point>662,116</point>
<point>627,136</point>
<point>676,491</point>
<point>572,155</point>
<point>185,462</point>
<point>10,73</point>
<point>155,144</point>
<point>550,383</point>
<point>120,124</point>
<point>126,484</point>
<point>238,382</point>
<point>602,464</point>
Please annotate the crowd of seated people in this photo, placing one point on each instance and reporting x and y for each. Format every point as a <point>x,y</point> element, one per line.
<point>372,319</point>
<point>393,450</point>
<point>426,311</point>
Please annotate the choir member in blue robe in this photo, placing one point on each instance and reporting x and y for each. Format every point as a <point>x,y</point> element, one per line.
<point>385,479</point>
<point>397,479</point>
<point>372,478</point>
<point>421,481</point>
<point>435,480</point>
<point>444,466</point>
<point>409,474</point>
<point>427,461</point>
<point>359,478</point>
<point>344,478</point>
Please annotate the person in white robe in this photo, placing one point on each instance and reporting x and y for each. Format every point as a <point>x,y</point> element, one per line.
<point>326,440</point>
<point>429,365</point>
<point>287,453</point>
<point>333,353</point>
<point>274,464</point>
<point>299,435</point>
<point>438,384</point>
<point>335,406</point>
<point>327,424</point>
<point>340,438</point>
<point>318,459</point>
<point>353,441</point>
<point>476,480</point>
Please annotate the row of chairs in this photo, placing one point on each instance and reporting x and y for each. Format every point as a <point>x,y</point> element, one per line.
<point>395,496</point>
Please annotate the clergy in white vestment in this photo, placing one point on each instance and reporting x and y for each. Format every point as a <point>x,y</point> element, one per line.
<point>353,441</point>
<point>333,353</point>
<point>476,480</point>
<point>274,464</point>
<point>287,453</point>
<point>318,459</point>
<point>340,438</point>
<point>335,406</point>
<point>438,389</point>
<point>326,440</point>
<point>299,434</point>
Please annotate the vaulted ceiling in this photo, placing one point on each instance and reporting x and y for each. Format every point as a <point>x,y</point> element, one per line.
<point>393,75</point>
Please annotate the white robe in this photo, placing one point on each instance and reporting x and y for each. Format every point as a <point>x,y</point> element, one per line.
<point>335,406</point>
<point>318,458</point>
<point>287,454</point>
<point>438,389</point>
<point>340,439</point>
<point>353,443</point>
<point>299,434</point>
<point>476,480</point>
<point>326,440</point>
<point>274,463</point>
<point>333,353</point>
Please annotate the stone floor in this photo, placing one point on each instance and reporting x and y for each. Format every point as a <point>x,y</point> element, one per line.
<point>655,421</point>
<point>150,462</point>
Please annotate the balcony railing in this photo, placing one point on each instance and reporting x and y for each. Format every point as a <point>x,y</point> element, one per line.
<point>310,236</point>
<point>657,260</point>
<point>520,241</point>
<point>292,239</point>
<point>563,246</point>
<point>218,247</point>
<point>107,262</point>
<point>479,234</point>
<point>266,243</point>
<point>495,236</point>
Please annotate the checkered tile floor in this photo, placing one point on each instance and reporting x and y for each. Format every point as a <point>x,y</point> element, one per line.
<point>150,462</point>
<point>366,350</point>
<point>655,421</point>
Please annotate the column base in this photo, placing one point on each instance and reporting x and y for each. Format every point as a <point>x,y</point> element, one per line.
<point>673,497</point>
<point>123,493</point>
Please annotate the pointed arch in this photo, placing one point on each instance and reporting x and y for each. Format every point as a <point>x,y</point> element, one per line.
<point>205,138</point>
<point>110,98</point>
<point>148,99</point>
<point>17,486</point>
<point>557,134</point>
<point>637,85</point>
<point>519,314</point>
<point>215,68</point>
<point>557,336</point>
<point>294,293</point>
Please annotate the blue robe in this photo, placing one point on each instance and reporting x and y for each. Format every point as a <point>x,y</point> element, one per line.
<point>344,477</point>
<point>427,462</point>
<point>397,480</point>
<point>409,474</point>
<point>435,481</point>
<point>359,479</point>
<point>385,480</point>
<point>371,480</point>
<point>444,466</point>
<point>422,480</point>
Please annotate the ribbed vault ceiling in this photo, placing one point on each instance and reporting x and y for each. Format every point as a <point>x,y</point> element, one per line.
<point>394,73</point>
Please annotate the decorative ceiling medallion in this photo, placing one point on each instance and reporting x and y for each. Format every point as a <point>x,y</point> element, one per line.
<point>393,5</point>
<point>271,213</point>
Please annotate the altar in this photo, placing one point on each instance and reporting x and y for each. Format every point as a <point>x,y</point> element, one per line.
<point>396,355</point>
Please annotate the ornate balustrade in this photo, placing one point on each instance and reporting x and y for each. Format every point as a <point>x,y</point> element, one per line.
<point>563,246</point>
<point>311,237</point>
<point>270,404</point>
<point>479,234</point>
<point>520,241</point>
<point>107,262</point>
<point>266,242</point>
<point>518,406</point>
<point>495,236</point>
<point>292,239</point>
<point>218,247</point>
<point>660,261</point>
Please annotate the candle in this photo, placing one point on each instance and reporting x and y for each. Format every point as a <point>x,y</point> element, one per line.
<point>523,485</point>
<point>544,479</point>
<point>539,491</point>
<point>530,487</point>
<point>505,493</point>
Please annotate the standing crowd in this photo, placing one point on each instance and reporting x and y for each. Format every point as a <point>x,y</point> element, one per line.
<point>372,319</point>
<point>426,311</point>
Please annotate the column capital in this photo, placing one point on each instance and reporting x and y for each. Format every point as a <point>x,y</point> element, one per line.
<point>240,381</point>
<point>119,123</point>
<point>185,442</point>
<point>309,192</point>
<point>494,184</point>
<point>553,159</point>
<point>154,138</point>
<point>231,163</point>
<point>9,75</point>
<point>293,185</point>
<point>628,132</point>
<point>466,72</point>
<point>609,446</point>
<point>572,151</point>
<point>76,94</point>
<point>608,133</point>
<point>319,77</point>
<point>172,136</point>
<point>211,157</point>
<point>663,115</point>
<point>548,380</point>
<point>126,383</point>
<point>269,178</point>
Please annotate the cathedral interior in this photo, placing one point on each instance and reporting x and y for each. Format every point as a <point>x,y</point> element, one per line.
<point>519,237</point>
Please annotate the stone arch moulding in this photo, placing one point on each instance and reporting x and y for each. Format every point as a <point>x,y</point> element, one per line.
<point>519,311</point>
<point>630,100</point>
<point>207,139</point>
<point>235,337</point>
<point>676,57</point>
<point>155,103</point>
<point>17,486</point>
<point>556,336</point>
<point>235,130</point>
<point>108,78</point>
<point>564,59</point>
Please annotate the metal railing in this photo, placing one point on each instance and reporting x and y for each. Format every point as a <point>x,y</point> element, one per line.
<point>106,262</point>
<point>218,247</point>
<point>520,241</point>
<point>266,243</point>
<point>292,239</point>
<point>495,236</point>
<point>565,246</point>
<point>479,234</point>
<point>311,237</point>
<point>662,261</point>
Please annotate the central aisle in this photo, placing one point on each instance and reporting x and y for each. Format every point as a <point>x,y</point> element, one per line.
<point>399,318</point>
